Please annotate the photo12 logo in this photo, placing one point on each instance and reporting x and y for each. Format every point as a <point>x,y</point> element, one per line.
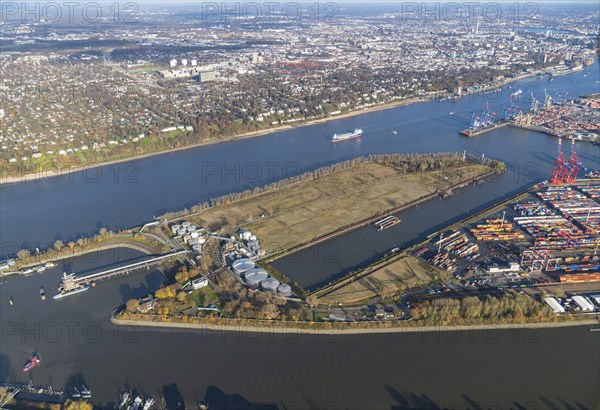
<point>65,332</point>
<point>268,11</point>
<point>451,11</point>
<point>68,12</point>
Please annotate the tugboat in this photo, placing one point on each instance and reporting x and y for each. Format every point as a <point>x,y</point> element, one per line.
<point>31,363</point>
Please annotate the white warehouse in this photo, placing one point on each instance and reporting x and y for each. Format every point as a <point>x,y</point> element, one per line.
<point>556,307</point>
<point>583,303</point>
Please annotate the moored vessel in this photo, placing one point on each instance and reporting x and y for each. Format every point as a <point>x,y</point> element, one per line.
<point>70,286</point>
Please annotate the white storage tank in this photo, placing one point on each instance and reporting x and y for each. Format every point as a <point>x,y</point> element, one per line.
<point>175,228</point>
<point>255,276</point>
<point>284,290</point>
<point>270,284</point>
<point>201,240</point>
<point>244,234</point>
<point>252,238</point>
<point>181,232</point>
<point>242,265</point>
<point>194,234</point>
<point>185,224</point>
<point>197,249</point>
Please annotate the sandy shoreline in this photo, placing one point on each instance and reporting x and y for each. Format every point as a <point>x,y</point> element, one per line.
<point>350,331</point>
<point>51,174</point>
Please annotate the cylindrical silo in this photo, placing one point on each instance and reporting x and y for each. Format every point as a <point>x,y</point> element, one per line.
<point>284,290</point>
<point>270,284</point>
<point>255,276</point>
<point>242,265</point>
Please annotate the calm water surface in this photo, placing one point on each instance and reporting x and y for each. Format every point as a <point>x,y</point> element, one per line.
<point>526,368</point>
<point>543,369</point>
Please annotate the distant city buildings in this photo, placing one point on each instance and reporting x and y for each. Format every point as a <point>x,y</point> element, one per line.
<point>57,102</point>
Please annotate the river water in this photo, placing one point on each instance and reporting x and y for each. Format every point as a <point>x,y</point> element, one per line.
<point>549,368</point>
<point>522,368</point>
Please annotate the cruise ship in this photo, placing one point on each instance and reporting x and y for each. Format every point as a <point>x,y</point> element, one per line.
<point>347,136</point>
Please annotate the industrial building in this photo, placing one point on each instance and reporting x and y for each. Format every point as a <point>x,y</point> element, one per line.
<point>555,305</point>
<point>583,303</point>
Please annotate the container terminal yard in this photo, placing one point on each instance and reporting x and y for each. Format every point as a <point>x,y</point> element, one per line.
<point>575,119</point>
<point>545,240</point>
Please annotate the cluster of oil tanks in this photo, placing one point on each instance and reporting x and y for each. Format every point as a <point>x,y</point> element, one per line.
<point>191,235</point>
<point>251,241</point>
<point>258,277</point>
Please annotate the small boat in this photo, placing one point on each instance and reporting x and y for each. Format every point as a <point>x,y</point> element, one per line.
<point>203,405</point>
<point>124,400</point>
<point>40,269</point>
<point>76,394</point>
<point>85,392</point>
<point>42,293</point>
<point>50,264</point>
<point>395,132</point>
<point>148,403</point>
<point>31,363</point>
<point>137,403</point>
<point>11,301</point>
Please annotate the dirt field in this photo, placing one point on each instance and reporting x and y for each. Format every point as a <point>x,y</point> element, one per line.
<point>296,214</point>
<point>407,272</point>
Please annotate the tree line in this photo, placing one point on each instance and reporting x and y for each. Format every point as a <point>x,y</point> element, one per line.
<point>471,310</point>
